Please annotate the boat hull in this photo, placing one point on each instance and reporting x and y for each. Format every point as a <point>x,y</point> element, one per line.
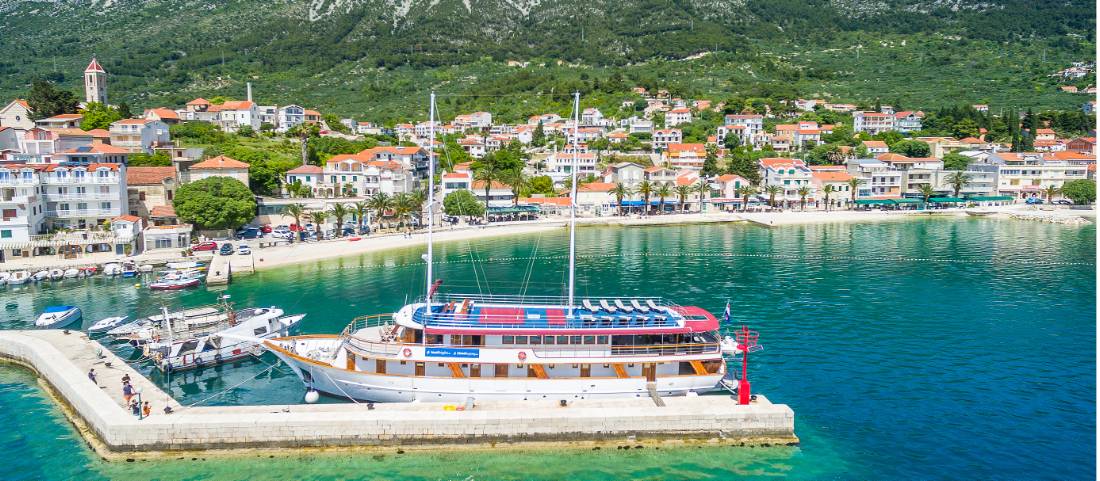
<point>174,285</point>
<point>366,386</point>
<point>57,322</point>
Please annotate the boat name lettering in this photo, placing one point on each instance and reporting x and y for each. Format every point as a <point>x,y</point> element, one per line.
<point>452,352</point>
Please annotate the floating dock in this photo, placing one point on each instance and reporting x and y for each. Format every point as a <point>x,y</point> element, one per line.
<point>62,360</point>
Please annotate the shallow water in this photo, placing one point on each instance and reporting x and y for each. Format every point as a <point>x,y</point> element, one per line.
<point>939,348</point>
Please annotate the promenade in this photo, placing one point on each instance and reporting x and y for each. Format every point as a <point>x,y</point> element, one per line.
<point>63,360</point>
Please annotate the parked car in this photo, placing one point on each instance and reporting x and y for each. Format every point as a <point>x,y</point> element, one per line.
<point>281,232</point>
<point>1063,202</point>
<point>205,246</point>
<point>249,233</point>
<point>266,228</point>
<point>1033,201</point>
<point>226,250</point>
<point>244,250</point>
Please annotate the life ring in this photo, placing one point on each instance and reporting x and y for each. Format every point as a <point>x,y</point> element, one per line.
<point>407,352</point>
<point>522,356</point>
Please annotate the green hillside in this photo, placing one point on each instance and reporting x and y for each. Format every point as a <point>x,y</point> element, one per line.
<point>374,59</point>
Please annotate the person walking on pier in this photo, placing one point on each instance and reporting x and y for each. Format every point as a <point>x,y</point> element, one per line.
<point>146,410</point>
<point>127,391</point>
<point>91,376</point>
<point>125,379</point>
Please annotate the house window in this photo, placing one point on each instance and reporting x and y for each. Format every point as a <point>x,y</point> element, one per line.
<point>5,234</point>
<point>105,205</point>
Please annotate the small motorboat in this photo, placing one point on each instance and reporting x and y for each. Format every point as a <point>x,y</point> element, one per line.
<point>112,269</point>
<point>174,284</point>
<point>89,271</point>
<point>41,275</point>
<point>4,277</point>
<point>129,269</point>
<point>146,268</point>
<point>58,316</point>
<point>71,273</point>
<point>106,324</point>
<point>56,273</point>
<point>19,278</point>
<point>184,265</point>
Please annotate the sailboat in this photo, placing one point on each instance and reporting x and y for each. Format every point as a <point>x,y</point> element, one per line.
<point>458,347</point>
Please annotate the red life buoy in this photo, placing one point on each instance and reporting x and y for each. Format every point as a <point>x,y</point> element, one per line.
<point>522,355</point>
<point>407,352</point>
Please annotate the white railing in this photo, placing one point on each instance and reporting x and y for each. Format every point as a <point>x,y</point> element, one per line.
<point>81,212</point>
<point>84,196</point>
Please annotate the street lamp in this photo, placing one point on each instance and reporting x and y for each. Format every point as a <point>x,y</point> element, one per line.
<point>141,412</point>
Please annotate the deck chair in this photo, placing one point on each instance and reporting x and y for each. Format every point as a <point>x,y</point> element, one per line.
<point>652,305</point>
<point>588,305</point>
<point>623,307</point>
<point>638,306</point>
<point>606,321</point>
<point>607,307</point>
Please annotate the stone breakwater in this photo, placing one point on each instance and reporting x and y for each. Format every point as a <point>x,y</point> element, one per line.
<point>62,361</point>
<point>1053,217</point>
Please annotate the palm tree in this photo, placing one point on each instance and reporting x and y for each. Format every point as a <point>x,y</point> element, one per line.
<point>645,188</point>
<point>360,210</point>
<point>416,200</point>
<point>772,190</point>
<point>802,193</point>
<point>663,191</point>
<point>927,191</point>
<point>744,192</point>
<point>339,212</point>
<point>401,207</point>
<point>517,180</point>
<point>296,211</point>
<point>958,179</point>
<point>318,217</point>
<point>683,191</point>
<point>703,188</point>
<point>380,203</point>
<point>620,191</point>
<point>853,185</point>
<point>1050,192</point>
<point>828,190</point>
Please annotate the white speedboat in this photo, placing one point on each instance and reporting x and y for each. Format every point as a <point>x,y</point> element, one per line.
<point>146,268</point>
<point>174,284</point>
<point>71,273</point>
<point>4,277</point>
<point>56,273</point>
<point>112,269</point>
<point>106,324</point>
<point>41,275</point>
<point>233,342</point>
<point>19,278</point>
<point>55,317</point>
<point>185,265</point>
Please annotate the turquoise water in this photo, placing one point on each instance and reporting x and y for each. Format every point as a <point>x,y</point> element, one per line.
<point>931,349</point>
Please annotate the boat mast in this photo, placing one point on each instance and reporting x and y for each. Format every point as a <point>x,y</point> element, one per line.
<point>431,197</point>
<point>573,199</point>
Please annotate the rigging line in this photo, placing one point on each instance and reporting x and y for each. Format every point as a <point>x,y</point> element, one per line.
<point>531,266</point>
<point>235,386</point>
<point>342,391</point>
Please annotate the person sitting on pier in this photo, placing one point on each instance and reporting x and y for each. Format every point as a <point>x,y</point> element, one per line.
<point>91,376</point>
<point>134,408</point>
<point>167,409</point>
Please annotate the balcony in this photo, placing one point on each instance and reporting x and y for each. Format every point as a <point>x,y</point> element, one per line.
<point>80,213</point>
<point>81,196</point>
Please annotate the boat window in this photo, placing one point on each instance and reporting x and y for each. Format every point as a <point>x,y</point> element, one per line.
<point>189,346</point>
<point>259,330</point>
<point>547,339</point>
<point>521,339</point>
<point>507,340</point>
<point>574,339</point>
<point>535,340</point>
<point>601,339</point>
<point>589,339</point>
<point>563,339</point>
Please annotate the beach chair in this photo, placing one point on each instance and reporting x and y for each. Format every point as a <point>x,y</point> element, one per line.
<point>607,307</point>
<point>623,307</point>
<point>652,305</point>
<point>588,305</point>
<point>638,306</point>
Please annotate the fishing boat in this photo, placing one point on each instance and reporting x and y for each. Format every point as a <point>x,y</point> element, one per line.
<point>71,273</point>
<point>55,317</point>
<point>129,269</point>
<point>224,345</point>
<point>19,278</point>
<point>106,324</point>
<point>41,275</point>
<point>458,347</point>
<point>56,273</point>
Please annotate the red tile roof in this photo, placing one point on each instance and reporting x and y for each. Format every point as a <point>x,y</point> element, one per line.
<point>199,101</point>
<point>596,187</point>
<point>306,169</point>
<point>220,162</point>
<point>831,176</point>
<point>149,175</point>
<point>128,218</point>
<point>94,66</point>
<point>162,211</point>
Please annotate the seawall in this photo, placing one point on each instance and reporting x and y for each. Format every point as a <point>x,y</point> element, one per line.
<point>63,360</point>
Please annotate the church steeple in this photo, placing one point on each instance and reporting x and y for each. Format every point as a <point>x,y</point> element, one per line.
<point>95,83</point>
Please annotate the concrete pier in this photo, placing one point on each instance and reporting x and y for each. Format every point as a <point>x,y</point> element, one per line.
<point>223,268</point>
<point>63,360</point>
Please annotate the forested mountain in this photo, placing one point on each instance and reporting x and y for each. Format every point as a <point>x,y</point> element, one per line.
<point>353,56</point>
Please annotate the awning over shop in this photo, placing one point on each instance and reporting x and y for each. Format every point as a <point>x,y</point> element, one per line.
<point>874,202</point>
<point>906,200</point>
<point>520,209</point>
<point>947,200</point>
<point>991,198</point>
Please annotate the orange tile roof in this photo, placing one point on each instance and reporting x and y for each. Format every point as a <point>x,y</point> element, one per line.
<point>306,169</point>
<point>220,162</point>
<point>780,161</point>
<point>199,101</point>
<point>65,117</point>
<point>94,66</point>
<point>892,157</point>
<point>596,187</point>
<point>98,148</point>
<point>128,218</point>
<point>163,211</point>
<point>558,201</point>
<point>149,175</point>
<point>237,105</point>
<point>831,176</point>
<point>480,185</point>
<point>132,121</point>
<point>730,178</point>
<point>875,144</point>
<point>677,148</point>
<point>164,113</point>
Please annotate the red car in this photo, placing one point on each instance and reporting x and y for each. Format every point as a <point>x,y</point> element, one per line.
<point>205,246</point>
<point>266,228</point>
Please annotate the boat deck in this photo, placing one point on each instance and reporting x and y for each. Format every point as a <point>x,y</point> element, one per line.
<point>554,318</point>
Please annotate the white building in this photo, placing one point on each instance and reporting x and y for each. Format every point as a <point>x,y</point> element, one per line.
<point>353,175</point>
<point>665,137</point>
<point>908,121</point>
<point>139,135</point>
<point>16,115</point>
<point>234,114</point>
<point>1026,174</point>
<point>220,166</point>
<point>872,122</point>
<point>790,175</point>
<point>37,198</point>
<point>476,120</point>
<point>290,116</point>
<point>677,116</point>
<point>559,165</point>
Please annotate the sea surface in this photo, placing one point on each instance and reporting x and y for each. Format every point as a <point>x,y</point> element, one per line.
<point>925,349</point>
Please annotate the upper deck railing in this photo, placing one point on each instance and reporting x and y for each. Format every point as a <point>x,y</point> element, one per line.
<point>550,312</point>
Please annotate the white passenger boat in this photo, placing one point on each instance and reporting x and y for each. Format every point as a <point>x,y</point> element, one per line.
<point>454,347</point>
<point>19,278</point>
<point>55,317</point>
<point>106,324</point>
<point>225,345</point>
